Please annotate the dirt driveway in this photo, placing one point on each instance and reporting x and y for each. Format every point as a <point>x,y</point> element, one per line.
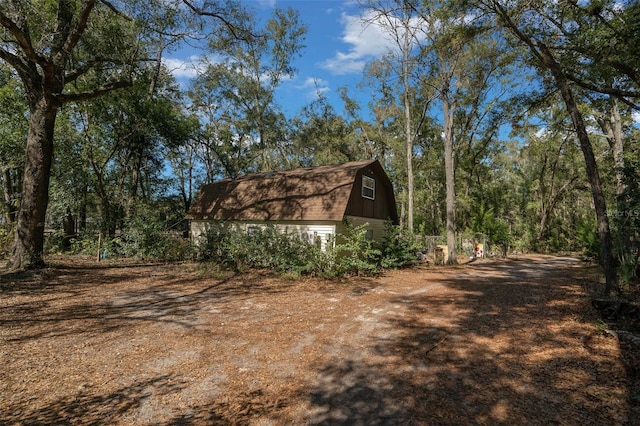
<point>492,342</point>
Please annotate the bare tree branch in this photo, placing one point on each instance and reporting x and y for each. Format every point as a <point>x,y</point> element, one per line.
<point>618,93</point>
<point>115,9</point>
<point>85,67</point>
<point>16,62</point>
<point>83,96</point>
<point>235,31</point>
<point>21,36</point>
<point>73,38</point>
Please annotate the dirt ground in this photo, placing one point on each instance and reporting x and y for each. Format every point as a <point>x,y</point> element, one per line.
<point>491,342</point>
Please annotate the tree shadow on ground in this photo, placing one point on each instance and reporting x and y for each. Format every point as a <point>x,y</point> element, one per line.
<point>173,300</point>
<point>492,349</point>
<point>502,359</point>
<point>33,316</point>
<point>133,404</point>
<point>86,408</point>
<point>242,409</point>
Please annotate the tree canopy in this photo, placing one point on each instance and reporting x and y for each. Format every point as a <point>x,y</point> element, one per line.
<point>510,123</point>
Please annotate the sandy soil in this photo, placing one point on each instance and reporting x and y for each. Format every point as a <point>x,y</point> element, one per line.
<point>491,342</point>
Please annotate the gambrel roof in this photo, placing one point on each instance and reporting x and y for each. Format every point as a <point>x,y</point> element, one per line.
<point>308,194</point>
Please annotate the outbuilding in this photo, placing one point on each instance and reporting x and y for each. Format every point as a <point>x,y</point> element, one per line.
<point>315,203</point>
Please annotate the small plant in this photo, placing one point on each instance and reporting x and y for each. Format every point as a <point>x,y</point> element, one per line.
<point>399,249</point>
<point>588,240</point>
<point>6,241</point>
<point>56,243</point>
<point>355,254</point>
<point>266,247</point>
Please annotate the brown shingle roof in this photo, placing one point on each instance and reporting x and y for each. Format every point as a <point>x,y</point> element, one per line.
<point>316,193</point>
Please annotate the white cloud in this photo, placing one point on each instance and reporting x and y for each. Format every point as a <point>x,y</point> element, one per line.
<point>313,87</point>
<point>344,64</point>
<point>635,115</point>
<point>267,4</point>
<point>370,37</point>
<point>184,69</point>
<point>542,131</point>
<point>367,40</point>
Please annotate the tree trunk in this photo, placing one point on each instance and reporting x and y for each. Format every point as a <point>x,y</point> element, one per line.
<point>408,130</point>
<point>449,171</point>
<point>410,195</point>
<point>614,137</point>
<point>136,174</point>
<point>547,61</point>
<point>611,125</point>
<point>70,228</point>
<point>107,225</point>
<point>618,148</point>
<point>591,164</point>
<point>82,210</point>
<point>29,237</point>
<point>7,183</point>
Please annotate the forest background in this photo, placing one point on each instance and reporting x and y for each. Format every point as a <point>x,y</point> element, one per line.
<point>512,122</point>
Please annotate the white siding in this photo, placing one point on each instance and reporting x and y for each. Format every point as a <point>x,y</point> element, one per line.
<point>323,233</point>
<point>196,229</point>
<point>313,233</point>
<point>377,227</point>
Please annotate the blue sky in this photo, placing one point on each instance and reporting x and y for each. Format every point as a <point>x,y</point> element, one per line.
<point>338,46</point>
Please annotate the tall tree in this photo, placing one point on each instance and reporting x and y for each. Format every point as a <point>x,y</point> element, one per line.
<point>322,136</point>
<point>65,51</point>
<point>553,34</point>
<point>49,47</point>
<point>400,22</point>
<point>242,80</point>
<point>458,75</point>
<point>126,138</point>
<point>13,116</point>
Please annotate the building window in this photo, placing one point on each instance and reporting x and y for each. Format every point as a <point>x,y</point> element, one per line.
<point>368,187</point>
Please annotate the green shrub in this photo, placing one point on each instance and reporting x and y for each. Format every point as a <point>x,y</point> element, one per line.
<point>588,240</point>
<point>85,244</point>
<point>236,249</point>
<point>180,249</point>
<point>399,249</point>
<point>56,243</point>
<point>627,266</point>
<point>6,241</point>
<point>266,247</point>
<point>355,254</point>
<point>143,237</point>
<point>215,245</point>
